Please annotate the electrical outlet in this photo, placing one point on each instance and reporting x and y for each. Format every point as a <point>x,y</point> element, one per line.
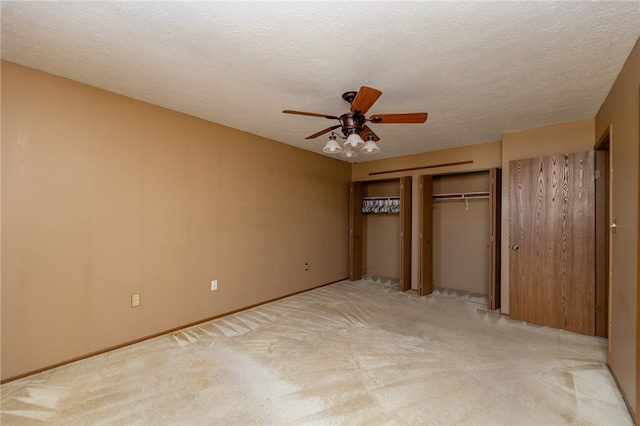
<point>214,285</point>
<point>135,300</point>
<point>306,266</point>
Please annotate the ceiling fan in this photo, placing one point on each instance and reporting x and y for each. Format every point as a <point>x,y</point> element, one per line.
<point>353,123</point>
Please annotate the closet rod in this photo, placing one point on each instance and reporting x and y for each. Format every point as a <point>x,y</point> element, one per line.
<point>464,196</point>
<point>460,195</point>
<point>479,197</point>
<point>393,197</point>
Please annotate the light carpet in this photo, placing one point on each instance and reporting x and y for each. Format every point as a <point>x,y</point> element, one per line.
<point>348,353</point>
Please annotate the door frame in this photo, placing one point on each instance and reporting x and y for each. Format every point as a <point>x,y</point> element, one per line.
<point>603,233</point>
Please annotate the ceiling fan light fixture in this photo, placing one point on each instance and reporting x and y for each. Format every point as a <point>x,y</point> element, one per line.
<point>332,146</point>
<point>349,152</point>
<point>370,147</point>
<point>353,123</point>
<point>354,140</point>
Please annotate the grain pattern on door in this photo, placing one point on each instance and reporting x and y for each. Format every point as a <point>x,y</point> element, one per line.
<point>552,241</point>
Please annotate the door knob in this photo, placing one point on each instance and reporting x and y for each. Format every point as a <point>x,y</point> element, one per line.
<point>515,247</point>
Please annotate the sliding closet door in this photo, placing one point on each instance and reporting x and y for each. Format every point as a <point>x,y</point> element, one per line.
<point>405,233</point>
<point>495,179</point>
<point>425,286</point>
<point>355,231</point>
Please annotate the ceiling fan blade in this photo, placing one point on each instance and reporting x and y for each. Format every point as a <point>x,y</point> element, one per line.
<point>415,117</point>
<point>313,114</point>
<point>366,131</point>
<point>365,98</point>
<point>322,132</point>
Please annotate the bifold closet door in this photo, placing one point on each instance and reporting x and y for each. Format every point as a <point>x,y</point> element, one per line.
<point>355,231</point>
<point>495,196</point>
<point>602,242</point>
<point>425,285</point>
<point>405,233</point>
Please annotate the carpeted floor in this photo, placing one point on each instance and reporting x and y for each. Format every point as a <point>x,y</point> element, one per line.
<point>349,353</point>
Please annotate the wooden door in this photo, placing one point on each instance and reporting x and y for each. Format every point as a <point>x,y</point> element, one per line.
<point>355,231</point>
<point>425,285</point>
<point>405,233</point>
<point>552,241</point>
<point>495,215</point>
<point>602,178</point>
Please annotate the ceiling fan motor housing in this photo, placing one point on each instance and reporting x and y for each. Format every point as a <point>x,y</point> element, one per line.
<point>352,122</point>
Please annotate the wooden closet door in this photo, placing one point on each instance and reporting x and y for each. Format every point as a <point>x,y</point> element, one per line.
<point>552,241</point>
<point>425,286</point>
<point>495,202</point>
<point>602,243</point>
<point>405,233</point>
<point>355,231</point>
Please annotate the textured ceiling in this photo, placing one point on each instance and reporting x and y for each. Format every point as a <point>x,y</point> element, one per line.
<point>478,68</point>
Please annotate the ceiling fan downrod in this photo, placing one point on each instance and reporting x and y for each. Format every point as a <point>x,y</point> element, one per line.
<point>349,96</point>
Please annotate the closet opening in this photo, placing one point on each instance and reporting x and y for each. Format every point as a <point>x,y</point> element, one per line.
<point>380,231</point>
<point>460,236</point>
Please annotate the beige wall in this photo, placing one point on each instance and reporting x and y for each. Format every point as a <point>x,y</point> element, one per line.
<point>104,196</point>
<point>620,110</point>
<point>576,136</point>
<point>484,157</point>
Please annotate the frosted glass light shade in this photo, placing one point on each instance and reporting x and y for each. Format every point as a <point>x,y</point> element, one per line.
<point>370,147</point>
<point>332,147</point>
<point>349,152</point>
<point>354,140</point>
